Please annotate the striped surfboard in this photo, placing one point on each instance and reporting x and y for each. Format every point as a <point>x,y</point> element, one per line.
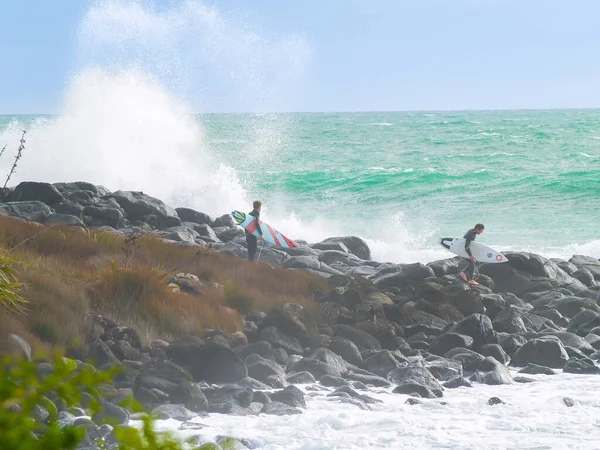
<point>272,236</point>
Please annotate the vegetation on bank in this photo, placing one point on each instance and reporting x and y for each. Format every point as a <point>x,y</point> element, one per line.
<point>53,278</point>
<point>66,274</point>
<point>29,418</point>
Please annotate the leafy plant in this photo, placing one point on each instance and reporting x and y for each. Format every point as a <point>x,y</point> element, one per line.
<point>28,388</point>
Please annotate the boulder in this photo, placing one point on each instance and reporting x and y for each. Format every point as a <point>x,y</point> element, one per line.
<point>261,369</point>
<point>190,215</point>
<point>278,339</point>
<point>360,338</point>
<point>492,372</point>
<point>28,191</point>
<point>401,275</point>
<point>448,341</point>
<point>142,207</point>
<point>347,350</point>
<point>295,321</point>
<point>209,362</point>
<point>32,211</point>
<point>548,351</point>
<point>381,363</point>
<point>415,378</point>
<point>353,244</point>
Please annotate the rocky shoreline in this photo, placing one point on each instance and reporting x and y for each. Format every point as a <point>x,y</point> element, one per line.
<point>411,328</point>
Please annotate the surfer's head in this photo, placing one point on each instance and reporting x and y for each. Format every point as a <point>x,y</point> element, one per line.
<point>256,204</point>
<point>479,228</point>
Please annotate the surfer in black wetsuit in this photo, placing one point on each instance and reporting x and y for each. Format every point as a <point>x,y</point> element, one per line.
<point>467,274</point>
<point>251,240</point>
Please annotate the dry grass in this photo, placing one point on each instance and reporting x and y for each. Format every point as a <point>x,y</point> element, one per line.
<point>68,273</point>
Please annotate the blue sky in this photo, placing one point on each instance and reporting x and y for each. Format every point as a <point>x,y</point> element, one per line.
<point>360,54</point>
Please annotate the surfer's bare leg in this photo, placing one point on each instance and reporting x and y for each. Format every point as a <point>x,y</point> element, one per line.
<point>464,277</point>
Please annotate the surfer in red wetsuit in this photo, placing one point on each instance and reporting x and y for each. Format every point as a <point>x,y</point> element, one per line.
<point>467,274</point>
<point>251,240</point>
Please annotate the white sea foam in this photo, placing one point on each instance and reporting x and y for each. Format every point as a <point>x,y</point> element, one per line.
<point>534,416</point>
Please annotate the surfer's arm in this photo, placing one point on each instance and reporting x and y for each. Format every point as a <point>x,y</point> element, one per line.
<point>258,223</point>
<point>468,240</point>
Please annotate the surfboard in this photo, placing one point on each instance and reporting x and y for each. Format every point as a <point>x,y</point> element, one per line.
<point>272,236</point>
<point>481,252</point>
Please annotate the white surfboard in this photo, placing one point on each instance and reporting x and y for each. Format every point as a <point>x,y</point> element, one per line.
<point>481,252</point>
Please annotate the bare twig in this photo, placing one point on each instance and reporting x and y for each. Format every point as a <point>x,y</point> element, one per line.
<point>2,151</point>
<point>19,154</point>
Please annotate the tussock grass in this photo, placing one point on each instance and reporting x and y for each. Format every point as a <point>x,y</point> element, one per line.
<point>67,273</point>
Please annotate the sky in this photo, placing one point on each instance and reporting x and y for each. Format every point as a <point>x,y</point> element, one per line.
<point>333,55</point>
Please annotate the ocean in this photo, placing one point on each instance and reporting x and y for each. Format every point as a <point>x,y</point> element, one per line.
<point>400,180</point>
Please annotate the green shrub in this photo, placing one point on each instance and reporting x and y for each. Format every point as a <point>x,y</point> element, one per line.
<point>25,389</point>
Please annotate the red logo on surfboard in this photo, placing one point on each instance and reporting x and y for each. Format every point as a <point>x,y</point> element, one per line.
<point>498,257</point>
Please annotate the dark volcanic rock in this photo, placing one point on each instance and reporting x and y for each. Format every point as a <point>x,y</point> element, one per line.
<point>190,215</point>
<point>446,342</point>
<point>360,338</point>
<point>581,366</point>
<point>278,339</point>
<point>415,378</point>
<point>402,275</point>
<point>209,362</point>
<point>295,321</point>
<point>355,245</point>
<point>490,371</point>
<point>27,191</point>
<point>547,351</point>
<point>140,206</point>
<point>347,350</point>
<point>33,211</point>
<point>261,369</point>
<point>535,369</point>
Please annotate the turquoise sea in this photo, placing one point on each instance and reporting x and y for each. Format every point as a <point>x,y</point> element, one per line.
<point>400,180</point>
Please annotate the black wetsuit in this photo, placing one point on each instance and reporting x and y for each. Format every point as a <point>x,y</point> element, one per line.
<point>469,237</point>
<point>252,240</point>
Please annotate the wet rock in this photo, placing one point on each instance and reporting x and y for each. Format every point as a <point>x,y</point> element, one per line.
<point>456,382</point>
<point>209,362</point>
<point>301,378</point>
<point>279,409</point>
<point>495,351</point>
<point>444,369</point>
<point>569,402</point>
<point>413,401</point>
<point>543,351</point>
<point>519,379</point>
<point>331,381</point>
<point>177,412</point>
<point>448,341</point>
<point>469,359</point>
<point>261,369</point>
<point>360,338</point>
<point>581,366</point>
<point>278,339</point>
<point>492,372</point>
<point>535,369</point>
<point>291,396</point>
<point>347,350</point>
<point>494,401</point>
<point>372,380</point>
<point>415,378</point>
<point>381,364</point>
